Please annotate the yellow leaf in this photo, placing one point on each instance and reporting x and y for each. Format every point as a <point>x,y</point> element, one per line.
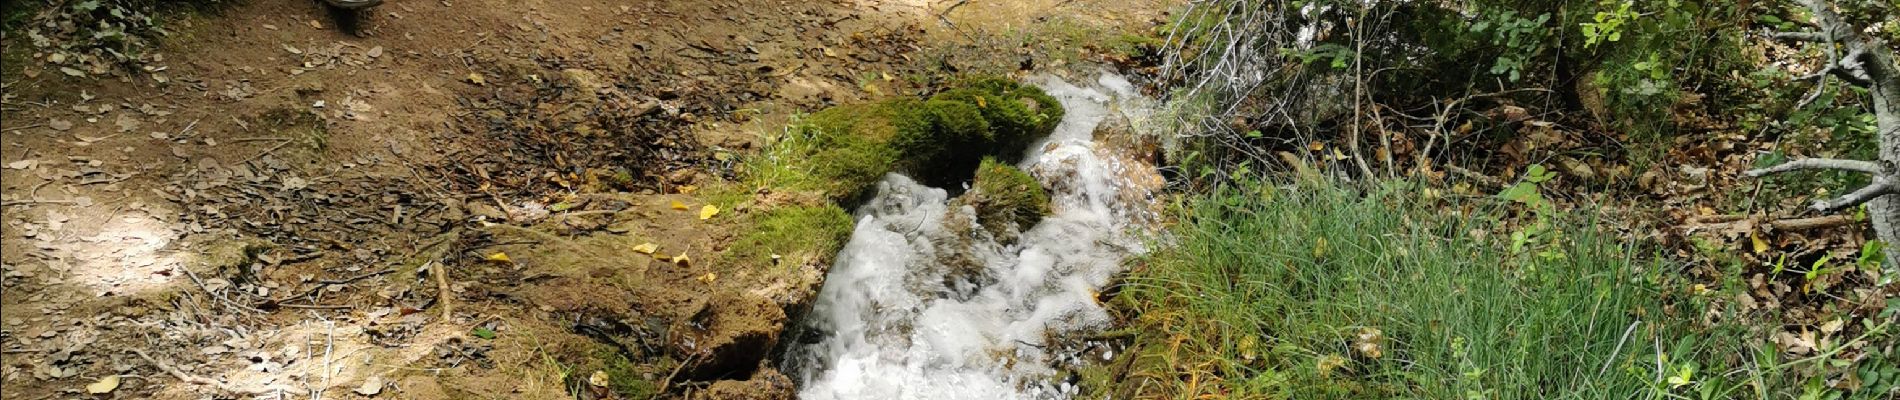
<point>476,78</point>
<point>682,259</point>
<point>677,205</point>
<point>1761,246</point>
<point>708,277</point>
<point>1319,248</point>
<point>1316,146</point>
<point>687,189</point>
<point>647,248</point>
<point>104,385</point>
<point>498,257</point>
<point>980,103</point>
<point>599,379</point>
<point>708,211</point>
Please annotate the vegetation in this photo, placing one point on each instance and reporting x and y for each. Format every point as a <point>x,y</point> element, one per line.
<point>843,150</point>
<point>798,233</point>
<point>1318,290</point>
<point>1005,196</point>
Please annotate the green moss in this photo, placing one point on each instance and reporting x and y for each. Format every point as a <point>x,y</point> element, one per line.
<point>1003,194</point>
<point>625,376</point>
<point>794,233</point>
<point>841,151</point>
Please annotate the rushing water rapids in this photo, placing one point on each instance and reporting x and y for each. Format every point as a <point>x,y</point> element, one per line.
<point>898,319</point>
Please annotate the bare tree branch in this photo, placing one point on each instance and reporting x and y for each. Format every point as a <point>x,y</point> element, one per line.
<point>1816,37</point>
<point>1881,187</point>
<point>1868,167</point>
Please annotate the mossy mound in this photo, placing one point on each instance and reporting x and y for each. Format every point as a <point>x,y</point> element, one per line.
<point>794,233</point>
<point>842,150</point>
<point>1005,196</point>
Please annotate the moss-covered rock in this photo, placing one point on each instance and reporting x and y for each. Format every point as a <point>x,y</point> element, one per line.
<point>1006,197</point>
<point>843,150</point>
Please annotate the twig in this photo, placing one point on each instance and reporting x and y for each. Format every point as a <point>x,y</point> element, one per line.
<point>441,273</point>
<point>194,379</point>
<point>221,298</point>
<point>1474,176</point>
<point>676,372</point>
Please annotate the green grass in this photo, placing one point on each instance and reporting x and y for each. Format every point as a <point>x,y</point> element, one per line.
<point>1322,291</point>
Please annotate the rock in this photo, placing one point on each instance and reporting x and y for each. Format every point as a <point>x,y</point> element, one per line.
<point>728,336</point>
<point>767,384</point>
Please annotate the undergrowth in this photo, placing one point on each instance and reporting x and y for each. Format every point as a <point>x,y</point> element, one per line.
<point>1329,291</point>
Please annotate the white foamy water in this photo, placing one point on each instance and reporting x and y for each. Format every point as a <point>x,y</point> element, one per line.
<point>905,314</point>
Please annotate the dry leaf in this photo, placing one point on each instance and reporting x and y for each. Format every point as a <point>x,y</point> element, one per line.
<point>476,78</point>
<point>1761,246</point>
<point>104,385</point>
<point>371,386</point>
<point>686,189</point>
<point>498,257</point>
<point>682,260</point>
<point>708,277</point>
<point>708,211</point>
<point>647,248</point>
<point>599,379</point>
<point>677,205</point>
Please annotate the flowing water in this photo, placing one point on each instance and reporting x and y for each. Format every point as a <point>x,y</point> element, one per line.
<point>906,314</point>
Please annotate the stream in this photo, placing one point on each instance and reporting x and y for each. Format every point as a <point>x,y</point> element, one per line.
<point>918,307</point>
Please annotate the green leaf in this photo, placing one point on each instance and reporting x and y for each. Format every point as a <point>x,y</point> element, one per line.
<point>1538,174</point>
<point>483,333</point>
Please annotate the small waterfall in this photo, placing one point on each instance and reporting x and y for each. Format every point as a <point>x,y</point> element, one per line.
<point>921,304</point>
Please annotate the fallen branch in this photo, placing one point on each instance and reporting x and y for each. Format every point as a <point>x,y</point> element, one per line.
<point>1868,167</point>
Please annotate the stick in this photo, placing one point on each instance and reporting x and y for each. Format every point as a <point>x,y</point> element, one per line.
<point>201,286</point>
<point>193,379</point>
<point>441,273</point>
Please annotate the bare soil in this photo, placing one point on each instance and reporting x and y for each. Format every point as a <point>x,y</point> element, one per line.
<point>447,199</point>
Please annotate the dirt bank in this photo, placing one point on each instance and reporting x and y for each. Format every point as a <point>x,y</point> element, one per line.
<point>452,199</point>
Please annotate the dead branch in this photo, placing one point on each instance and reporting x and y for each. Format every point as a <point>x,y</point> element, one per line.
<point>1881,187</point>
<point>1868,167</point>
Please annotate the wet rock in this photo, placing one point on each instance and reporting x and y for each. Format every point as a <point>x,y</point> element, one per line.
<point>728,336</point>
<point>767,384</point>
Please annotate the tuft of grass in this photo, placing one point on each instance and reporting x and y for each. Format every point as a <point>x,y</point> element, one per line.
<point>1323,291</point>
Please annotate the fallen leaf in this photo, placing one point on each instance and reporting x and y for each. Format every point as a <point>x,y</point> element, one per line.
<point>23,164</point>
<point>292,49</point>
<point>687,189</point>
<point>59,124</point>
<point>375,52</point>
<point>483,333</point>
<point>316,24</point>
<point>371,386</point>
<point>647,248</point>
<point>498,257</point>
<point>599,379</point>
<point>104,385</point>
<point>476,78</point>
<point>1761,246</point>
<point>682,260</point>
<point>708,211</point>
<point>708,277</point>
<point>677,205</point>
